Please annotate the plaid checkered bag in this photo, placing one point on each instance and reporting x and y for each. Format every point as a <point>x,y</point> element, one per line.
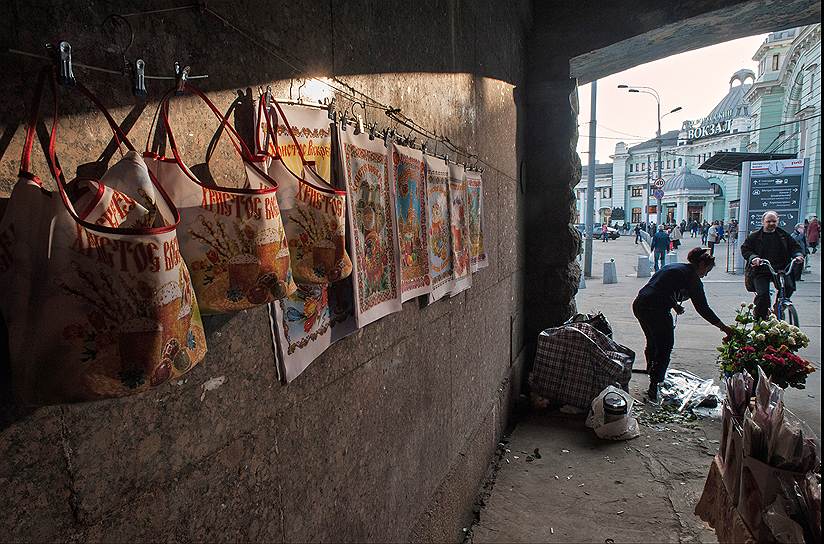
<point>575,362</point>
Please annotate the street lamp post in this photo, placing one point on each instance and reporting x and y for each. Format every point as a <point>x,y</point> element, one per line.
<point>652,92</point>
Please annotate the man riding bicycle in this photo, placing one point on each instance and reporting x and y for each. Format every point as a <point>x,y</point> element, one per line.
<point>776,246</point>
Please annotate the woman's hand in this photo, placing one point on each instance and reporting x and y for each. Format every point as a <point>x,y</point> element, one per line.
<point>726,330</point>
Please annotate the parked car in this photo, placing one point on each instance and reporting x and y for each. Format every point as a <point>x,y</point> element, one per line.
<point>613,233</point>
<point>596,230</point>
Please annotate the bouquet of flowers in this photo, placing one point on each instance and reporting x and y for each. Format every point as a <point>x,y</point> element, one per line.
<point>769,343</point>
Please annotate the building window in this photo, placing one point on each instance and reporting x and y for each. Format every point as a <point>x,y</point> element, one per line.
<point>636,215</point>
<point>606,192</point>
<point>630,167</point>
<point>669,165</point>
<point>775,62</point>
<point>643,167</point>
<point>637,190</point>
<point>680,162</point>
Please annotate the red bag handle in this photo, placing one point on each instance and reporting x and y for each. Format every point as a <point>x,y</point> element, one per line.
<point>57,173</point>
<point>272,132</point>
<point>237,141</point>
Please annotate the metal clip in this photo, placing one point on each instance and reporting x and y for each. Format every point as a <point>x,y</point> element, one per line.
<point>446,159</point>
<point>65,75</point>
<point>359,128</point>
<point>423,147</point>
<point>372,130</point>
<point>333,110</point>
<point>181,76</point>
<point>139,79</point>
<point>343,122</point>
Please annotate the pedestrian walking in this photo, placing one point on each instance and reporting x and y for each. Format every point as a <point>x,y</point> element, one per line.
<point>637,233</point>
<point>799,235</point>
<point>813,233</point>
<point>694,228</point>
<point>773,244</point>
<point>675,236</point>
<point>664,292</point>
<point>605,232</point>
<point>705,229</point>
<point>659,245</point>
<point>712,237</point>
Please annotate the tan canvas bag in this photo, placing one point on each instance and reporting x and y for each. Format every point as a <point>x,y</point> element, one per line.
<point>232,238</point>
<point>100,304</point>
<point>314,212</point>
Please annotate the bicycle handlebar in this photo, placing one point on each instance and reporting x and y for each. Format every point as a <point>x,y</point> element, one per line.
<point>772,270</point>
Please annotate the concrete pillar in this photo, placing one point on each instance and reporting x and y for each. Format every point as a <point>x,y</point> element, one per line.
<point>610,274</point>
<point>552,167</point>
<point>708,211</point>
<point>681,210</point>
<point>644,268</point>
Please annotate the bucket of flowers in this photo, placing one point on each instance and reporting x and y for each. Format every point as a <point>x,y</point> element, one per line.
<point>770,344</point>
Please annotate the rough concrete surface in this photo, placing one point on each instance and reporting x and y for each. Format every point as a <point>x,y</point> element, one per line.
<point>386,436</point>
<point>642,490</point>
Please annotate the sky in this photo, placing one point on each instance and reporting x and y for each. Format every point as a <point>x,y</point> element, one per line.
<point>696,80</point>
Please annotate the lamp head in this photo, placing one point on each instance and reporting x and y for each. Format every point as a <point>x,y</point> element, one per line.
<point>633,91</point>
<point>622,86</point>
<point>679,108</point>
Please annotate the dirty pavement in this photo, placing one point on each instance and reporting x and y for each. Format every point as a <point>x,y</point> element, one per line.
<point>555,481</point>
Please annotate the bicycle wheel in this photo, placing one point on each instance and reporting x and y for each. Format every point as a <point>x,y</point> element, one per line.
<point>790,315</point>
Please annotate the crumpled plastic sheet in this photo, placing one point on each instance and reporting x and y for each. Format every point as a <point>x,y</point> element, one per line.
<point>684,390</point>
<point>625,428</point>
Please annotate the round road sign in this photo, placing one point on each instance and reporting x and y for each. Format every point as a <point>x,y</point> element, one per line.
<point>658,183</point>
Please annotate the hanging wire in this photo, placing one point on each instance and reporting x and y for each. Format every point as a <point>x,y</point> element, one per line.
<point>98,68</point>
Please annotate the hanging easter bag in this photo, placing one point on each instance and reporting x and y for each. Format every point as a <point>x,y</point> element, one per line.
<point>231,237</point>
<point>314,213</point>
<point>100,301</point>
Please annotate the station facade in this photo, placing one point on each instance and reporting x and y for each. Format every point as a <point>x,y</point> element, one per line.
<point>774,110</point>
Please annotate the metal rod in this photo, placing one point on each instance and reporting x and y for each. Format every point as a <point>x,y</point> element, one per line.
<point>98,68</point>
<point>590,212</point>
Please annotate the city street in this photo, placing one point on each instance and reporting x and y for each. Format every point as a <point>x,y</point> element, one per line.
<point>583,489</point>
<point>695,339</point>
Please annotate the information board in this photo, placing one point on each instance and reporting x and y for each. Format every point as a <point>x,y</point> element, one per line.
<point>779,186</point>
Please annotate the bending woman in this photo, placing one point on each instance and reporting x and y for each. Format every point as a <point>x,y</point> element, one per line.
<point>665,291</point>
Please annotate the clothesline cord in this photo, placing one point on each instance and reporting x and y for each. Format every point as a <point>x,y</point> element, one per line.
<point>344,89</point>
<point>97,68</point>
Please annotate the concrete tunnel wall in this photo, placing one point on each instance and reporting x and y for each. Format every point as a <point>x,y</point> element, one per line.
<point>387,436</point>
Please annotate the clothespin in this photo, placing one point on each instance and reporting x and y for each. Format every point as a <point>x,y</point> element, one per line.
<point>333,110</point>
<point>181,75</point>
<point>423,147</point>
<point>139,79</point>
<point>63,59</point>
<point>446,159</point>
<point>411,143</point>
<point>373,128</point>
<point>359,129</point>
<point>343,123</point>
